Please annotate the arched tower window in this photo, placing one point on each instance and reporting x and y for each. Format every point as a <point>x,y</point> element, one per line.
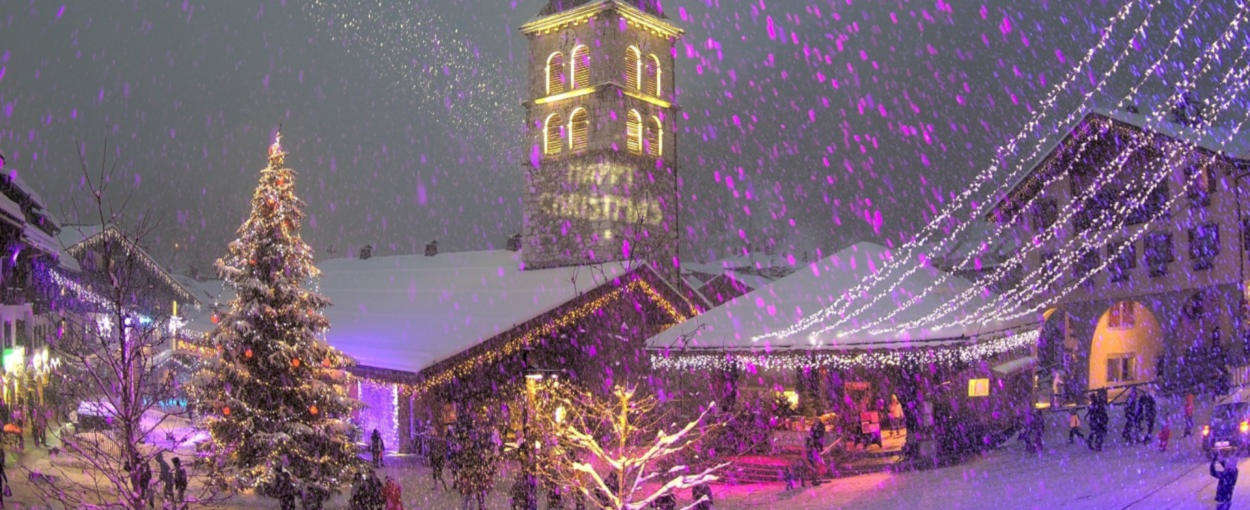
<point>653,75</point>
<point>581,66</point>
<point>633,68</point>
<point>655,137</point>
<point>633,132</point>
<point>551,134</point>
<point>579,127</point>
<point>555,73</point>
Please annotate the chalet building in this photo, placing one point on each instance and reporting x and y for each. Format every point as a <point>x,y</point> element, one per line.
<point>26,230</point>
<point>1153,291</point>
<point>156,296</point>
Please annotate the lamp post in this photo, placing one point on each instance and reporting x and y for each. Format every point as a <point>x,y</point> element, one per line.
<point>534,377</point>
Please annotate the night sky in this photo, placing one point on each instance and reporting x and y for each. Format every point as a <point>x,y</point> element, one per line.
<point>805,125</point>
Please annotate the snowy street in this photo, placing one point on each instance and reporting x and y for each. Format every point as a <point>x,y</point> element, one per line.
<point>1065,476</point>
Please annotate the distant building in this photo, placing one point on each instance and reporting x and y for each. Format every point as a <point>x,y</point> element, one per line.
<point>601,174</point>
<point>1165,288</point>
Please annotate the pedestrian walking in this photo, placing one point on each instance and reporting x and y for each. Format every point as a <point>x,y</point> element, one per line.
<point>1130,417</point>
<point>166,478</point>
<point>1074,426</point>
<point>393,494</point>
<point>180,484</point>
<point>1098,420</point>
<point>376,447</point>
<point>438,457</point>
<point>145,481</point>
<point>1146,415</point>
<point>1189,414</point>
<point>896,415</point>
<point>1227,477</point>
<point>1056,385</point>
<point>1165,433</point>
<point>285,490</point>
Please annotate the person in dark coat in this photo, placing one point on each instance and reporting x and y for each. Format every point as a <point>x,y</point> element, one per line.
<point>818,434</point>
<point>665,502</point>
<point>437,450</point>
<point>165,476</point>
<point>1130,417</point>
<point>285,490</point>
<point>1097,417</point>
<point>180,482</point>
<point>1227,477</point>
<point>702,491</point>
<point>376,447</point>
<point>1146,413</point>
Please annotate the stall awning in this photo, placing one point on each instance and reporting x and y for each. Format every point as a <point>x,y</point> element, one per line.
<point>1015,365</point>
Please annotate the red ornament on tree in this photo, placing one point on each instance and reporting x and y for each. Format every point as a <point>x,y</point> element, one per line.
<point>312,409</point>
<point>247,354</point>
<point>295,363</point>
<point>225,411</point>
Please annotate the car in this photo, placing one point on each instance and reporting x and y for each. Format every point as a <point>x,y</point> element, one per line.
<point>1229,428</point>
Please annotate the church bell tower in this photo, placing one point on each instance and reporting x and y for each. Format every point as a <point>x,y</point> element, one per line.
<point>601,176</point>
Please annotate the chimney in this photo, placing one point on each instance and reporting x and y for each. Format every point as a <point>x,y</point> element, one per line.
<point>431,249</point>
<point>514,243</point>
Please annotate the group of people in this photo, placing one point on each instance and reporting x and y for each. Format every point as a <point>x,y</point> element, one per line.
<point>372,494</point>
<point>172,480</point>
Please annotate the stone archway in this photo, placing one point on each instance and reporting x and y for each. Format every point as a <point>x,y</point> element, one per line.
<point>1126,345</point>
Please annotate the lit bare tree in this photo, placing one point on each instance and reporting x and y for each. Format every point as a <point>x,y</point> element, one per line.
<point>114,357</point>
<point>615,450</point>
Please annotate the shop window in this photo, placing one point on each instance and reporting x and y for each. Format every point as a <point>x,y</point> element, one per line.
<point>1045,214</point>
<point>1123,257</point>
<point>1199,190</point>
<point>1120,368</point>
<point>1121,315</point>
<point>1158,250</point>
<point>1204,245</point>
<point>1086,264</point>
<point>1154,205</point>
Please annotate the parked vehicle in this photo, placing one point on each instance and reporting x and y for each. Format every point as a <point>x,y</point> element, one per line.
<point>1229,429</point>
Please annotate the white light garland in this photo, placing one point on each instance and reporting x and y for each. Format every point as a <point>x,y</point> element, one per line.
<point>873,359</point>
<point>1179,148</point>
<point>934,227</point>
<point>1074,205</point>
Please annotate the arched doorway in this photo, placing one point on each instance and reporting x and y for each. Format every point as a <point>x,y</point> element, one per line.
<point>1126,346</point>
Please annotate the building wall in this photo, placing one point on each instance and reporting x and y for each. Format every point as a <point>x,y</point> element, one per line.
<point>1164,291</point>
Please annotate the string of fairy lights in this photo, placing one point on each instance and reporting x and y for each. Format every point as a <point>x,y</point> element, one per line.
<point>1118,216</point>
<point>947,355</point>
<point>934,227</point>
<point>468,367</point>
<point>840,311</point>
<point>999,229</point>
<point>111,234</point>
<point>1077,244</point>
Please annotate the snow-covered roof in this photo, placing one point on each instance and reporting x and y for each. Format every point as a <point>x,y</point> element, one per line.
<point>408,312</point>
<point>71,235</point>
<point>784,302</point>
<point>41,239</point>
<point>12,211</point>
<point>1216,138</point>
<point>16,178</point>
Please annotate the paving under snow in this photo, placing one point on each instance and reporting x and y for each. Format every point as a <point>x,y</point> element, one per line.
<point>1063,476</point>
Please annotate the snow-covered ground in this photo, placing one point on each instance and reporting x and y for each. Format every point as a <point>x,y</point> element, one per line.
<point>1063,476</point>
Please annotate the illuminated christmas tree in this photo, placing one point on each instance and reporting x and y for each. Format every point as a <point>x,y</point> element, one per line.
<point>273,394</point>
